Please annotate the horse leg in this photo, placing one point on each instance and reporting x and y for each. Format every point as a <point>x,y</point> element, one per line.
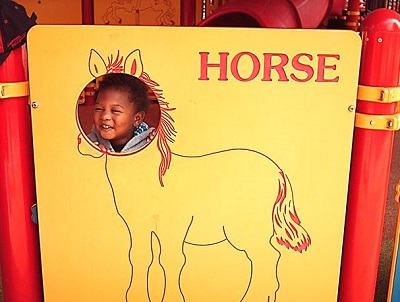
<point>116,6</point>
<point>140,257</point>
<point>109,11</point>
<point>173,261</point>
<point>264,280</point>
<point>264,259</point>
<point>159,19</point>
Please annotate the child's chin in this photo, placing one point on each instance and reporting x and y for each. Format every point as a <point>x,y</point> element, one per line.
<point>106,135</point>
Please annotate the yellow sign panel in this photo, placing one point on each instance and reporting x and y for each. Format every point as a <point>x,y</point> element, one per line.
<point>240,192</point>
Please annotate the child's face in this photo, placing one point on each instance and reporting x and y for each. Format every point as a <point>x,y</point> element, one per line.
<point>115,117</point>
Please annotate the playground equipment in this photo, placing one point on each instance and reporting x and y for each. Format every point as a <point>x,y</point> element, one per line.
<point>379,73</point>
<point>19,252</point>
<point>274,14</point>
<point>376,119</point>
<point>213,183</point>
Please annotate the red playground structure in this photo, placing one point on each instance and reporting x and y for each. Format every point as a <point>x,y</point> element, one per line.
<point>376,120</point>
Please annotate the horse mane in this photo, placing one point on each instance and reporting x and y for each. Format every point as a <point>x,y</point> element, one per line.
<point>114,65</point>
<point>165,130</point>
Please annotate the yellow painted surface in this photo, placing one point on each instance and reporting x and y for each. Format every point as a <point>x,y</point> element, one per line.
<point>253,203</point>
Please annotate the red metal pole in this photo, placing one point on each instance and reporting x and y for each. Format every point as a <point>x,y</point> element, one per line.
<point>353,15</point>
<point>19,242</point>
<point>188,12</point>
<point>87,12</point>
<point>371,158</point>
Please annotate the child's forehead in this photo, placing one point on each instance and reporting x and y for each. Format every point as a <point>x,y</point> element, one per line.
<point>114,98</point>
<point>114,93</point>
<point>115,89</point>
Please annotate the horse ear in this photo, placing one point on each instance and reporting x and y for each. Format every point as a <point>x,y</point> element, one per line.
<point>133,63</point>
<point>97,66</point>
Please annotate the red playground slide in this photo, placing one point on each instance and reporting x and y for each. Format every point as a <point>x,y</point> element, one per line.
<point>274,14</point>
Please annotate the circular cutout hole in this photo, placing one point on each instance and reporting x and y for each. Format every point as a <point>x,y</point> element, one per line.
<point>118,113</point>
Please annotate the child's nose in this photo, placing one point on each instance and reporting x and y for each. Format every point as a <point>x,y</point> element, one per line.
<point>105,115</point>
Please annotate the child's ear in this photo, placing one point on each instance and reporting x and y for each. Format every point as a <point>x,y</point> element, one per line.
<point>139,117</point>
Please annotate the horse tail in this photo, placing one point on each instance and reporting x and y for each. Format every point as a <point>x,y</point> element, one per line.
<point>287,227</point>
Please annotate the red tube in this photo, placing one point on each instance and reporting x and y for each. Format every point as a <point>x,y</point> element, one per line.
<point>312,12</point>
<point>87,12</point>
<point>273,14</point>
<point>188,12</point>
<point>353,15</point>
<point>255,13</point>
<point>19,252</point>
<point>371,158</point>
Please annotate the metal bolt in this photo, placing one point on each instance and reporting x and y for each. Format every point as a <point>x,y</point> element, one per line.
<point>380,40</point>
<point>35,105</point>
<point>371,122</point>
<point>351,108</point>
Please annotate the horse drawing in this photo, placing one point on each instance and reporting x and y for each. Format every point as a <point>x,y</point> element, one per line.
<point>237,196</point>
<point>163,7</point>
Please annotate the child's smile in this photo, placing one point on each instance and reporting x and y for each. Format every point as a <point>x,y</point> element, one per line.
<point>115,117</point>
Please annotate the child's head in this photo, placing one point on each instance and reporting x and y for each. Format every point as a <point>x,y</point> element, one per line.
<point>121,102</point>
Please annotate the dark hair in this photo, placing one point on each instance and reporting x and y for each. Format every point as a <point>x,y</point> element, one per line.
<point>137,90</point>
